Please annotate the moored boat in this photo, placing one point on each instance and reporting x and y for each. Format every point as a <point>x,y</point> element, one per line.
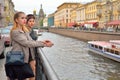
<point>106,49</point>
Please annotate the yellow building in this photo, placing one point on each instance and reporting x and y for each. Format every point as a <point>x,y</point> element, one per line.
<point>56,19</point>
<point>91,11</point>
<point>1,13</point>
<point>9,12</point>
<point>86,15</point>
<point>80,15</point>
<point>98,12</point>
<point>73,16</point>
<point>108,11</point>
<point>62,15</point>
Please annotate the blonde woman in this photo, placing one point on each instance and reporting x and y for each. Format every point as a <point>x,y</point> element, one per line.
<point>21,41</point>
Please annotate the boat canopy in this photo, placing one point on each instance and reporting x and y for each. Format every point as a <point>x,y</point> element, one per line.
<point>101,43</point>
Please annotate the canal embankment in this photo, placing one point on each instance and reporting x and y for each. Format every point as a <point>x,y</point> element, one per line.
<point>87,35</point>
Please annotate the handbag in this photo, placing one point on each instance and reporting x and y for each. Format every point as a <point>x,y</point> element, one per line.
<point>15,58</point>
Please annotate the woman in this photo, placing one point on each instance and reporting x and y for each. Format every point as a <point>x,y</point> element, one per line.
<point>30,24</point>
<point>21,41</point>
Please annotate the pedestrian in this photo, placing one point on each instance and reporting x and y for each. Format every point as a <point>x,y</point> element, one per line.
<point>21,41</point>
<point>30,24</point>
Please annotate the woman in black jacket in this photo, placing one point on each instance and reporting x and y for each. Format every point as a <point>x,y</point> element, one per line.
<point>34,63</point>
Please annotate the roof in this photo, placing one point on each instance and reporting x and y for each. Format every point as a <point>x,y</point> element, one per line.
<point>115,41</point>
<point>101,43</point>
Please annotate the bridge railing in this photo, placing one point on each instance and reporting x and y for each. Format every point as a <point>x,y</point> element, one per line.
<point>47,71</point>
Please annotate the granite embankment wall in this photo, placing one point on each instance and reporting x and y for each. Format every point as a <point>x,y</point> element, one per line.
<point>87,35</point>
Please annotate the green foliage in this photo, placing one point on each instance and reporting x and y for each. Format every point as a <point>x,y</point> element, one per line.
<point>41,22</point>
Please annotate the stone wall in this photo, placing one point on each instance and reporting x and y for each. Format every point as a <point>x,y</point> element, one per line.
<point>87,35</point>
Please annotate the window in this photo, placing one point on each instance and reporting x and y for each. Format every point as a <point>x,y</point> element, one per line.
<point>118,17</point>
<point>66,20</point>
<point>67,15</point>
<point>66,11</point>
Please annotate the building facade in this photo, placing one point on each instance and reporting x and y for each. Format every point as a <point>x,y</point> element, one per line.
<point>96,14</point>
<point>9,12</point>
<point>2,13</point>
<point>62,15</point>
<point>80,15</point>
<point>51,20</point>
<point>45,22</point>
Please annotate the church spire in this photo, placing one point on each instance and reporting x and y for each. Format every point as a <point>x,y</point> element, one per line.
<point>41,12</point>
<point>41,6</point>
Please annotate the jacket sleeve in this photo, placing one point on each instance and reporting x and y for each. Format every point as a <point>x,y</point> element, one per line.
<point>21,38</point>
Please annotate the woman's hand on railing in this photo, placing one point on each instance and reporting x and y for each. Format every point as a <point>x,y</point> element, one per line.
<point>48,43</point>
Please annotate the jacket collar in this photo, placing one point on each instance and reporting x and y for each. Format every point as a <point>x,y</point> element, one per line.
<point>20,30</point>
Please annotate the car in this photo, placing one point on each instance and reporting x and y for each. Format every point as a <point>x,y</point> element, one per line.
<point>9,26</point>
<point>110,29</point>
<point>2,48</point>
<point>5,35</point>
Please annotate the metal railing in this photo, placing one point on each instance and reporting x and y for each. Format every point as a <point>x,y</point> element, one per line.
<point>47,71</point>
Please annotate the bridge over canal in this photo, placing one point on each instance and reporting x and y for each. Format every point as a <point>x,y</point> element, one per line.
<point>71,60</point>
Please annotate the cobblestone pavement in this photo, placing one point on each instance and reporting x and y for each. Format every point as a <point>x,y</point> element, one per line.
<point>2,70</point>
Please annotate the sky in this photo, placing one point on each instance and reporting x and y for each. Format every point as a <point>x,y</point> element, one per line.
<point>49,6</point>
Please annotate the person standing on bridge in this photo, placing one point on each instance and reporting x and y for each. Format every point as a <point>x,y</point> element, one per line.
<point>30,24</point>
<point>34,63</point>
<point>21,41</point>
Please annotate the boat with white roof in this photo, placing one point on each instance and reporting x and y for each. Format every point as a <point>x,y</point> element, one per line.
<point>108,49</point>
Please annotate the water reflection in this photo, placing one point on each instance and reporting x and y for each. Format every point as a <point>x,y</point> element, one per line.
<point>105,67</point>
<point>71,60</point>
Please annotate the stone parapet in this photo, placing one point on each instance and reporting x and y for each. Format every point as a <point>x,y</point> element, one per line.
<point>87,35</point>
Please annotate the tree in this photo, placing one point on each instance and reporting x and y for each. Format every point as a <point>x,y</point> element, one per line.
<point>41,22</point>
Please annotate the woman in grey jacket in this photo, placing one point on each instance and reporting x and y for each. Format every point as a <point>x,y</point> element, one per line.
<point>21,40</point>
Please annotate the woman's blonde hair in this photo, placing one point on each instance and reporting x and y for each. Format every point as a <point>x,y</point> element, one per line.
<point>15,25</point>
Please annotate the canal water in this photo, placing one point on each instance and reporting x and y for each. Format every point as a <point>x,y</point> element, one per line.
<point>71,60</point>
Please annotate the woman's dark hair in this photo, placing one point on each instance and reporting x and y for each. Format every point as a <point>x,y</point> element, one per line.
<point>30,16</point>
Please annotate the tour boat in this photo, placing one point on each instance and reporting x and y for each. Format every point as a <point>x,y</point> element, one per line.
<point>106,49</point>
